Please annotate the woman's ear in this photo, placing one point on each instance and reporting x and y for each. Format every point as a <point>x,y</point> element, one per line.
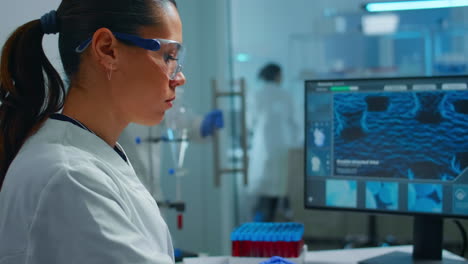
<point>104,47</point>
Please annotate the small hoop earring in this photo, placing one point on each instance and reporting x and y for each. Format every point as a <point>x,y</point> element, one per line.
<point>109,72</point>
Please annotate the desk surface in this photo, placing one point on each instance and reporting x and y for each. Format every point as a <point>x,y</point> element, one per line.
<point>342,256</point>
<point>360,254</point>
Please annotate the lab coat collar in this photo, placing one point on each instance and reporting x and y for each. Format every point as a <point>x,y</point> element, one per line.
<point>68,134</point>
<point>65,118</point>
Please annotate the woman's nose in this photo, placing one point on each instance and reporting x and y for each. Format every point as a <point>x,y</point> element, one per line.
<point>179,80</point>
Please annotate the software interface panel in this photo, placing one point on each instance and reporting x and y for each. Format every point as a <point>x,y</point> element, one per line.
<point>396,145</point>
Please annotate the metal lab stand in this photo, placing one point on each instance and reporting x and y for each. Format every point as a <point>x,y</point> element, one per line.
<point>218,170</point>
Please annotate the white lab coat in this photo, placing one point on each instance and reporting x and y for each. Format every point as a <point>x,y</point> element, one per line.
<point>145,157</point>
<point>68,197</point>
<point>271,119</point>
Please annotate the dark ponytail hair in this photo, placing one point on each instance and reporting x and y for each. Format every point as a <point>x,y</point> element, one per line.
<point>30,88</point>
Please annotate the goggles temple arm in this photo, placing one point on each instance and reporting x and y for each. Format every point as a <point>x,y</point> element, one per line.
<point>149,44</point>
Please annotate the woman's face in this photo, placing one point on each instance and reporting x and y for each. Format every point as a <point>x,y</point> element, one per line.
<point>144,87</point>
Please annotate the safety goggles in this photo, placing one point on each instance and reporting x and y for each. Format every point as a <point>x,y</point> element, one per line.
<point>174,52</point>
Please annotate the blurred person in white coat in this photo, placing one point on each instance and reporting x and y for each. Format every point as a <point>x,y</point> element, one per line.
<point>274,131</point>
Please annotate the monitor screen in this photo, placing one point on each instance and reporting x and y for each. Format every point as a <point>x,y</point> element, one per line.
<point>395,145</point>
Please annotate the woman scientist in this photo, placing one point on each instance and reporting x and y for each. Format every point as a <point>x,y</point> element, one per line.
<point>274,132</point>
<point>68,193</point>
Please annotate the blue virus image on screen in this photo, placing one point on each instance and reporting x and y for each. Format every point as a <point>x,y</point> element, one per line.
<point>401,135</point>
<point>425,198</point>
<point>382,195</point>
<point>341,193</point>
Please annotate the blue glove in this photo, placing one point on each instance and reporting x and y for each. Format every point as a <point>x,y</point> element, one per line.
<point>277,260</point>
<point>212,121</point>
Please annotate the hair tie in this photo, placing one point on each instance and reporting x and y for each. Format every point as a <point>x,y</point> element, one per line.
<point>49,23</point>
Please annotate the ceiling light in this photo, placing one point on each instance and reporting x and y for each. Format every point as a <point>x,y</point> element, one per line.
<point>413,5</point>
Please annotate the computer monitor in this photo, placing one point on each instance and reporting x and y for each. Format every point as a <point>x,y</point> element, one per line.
<point>390,145</point>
